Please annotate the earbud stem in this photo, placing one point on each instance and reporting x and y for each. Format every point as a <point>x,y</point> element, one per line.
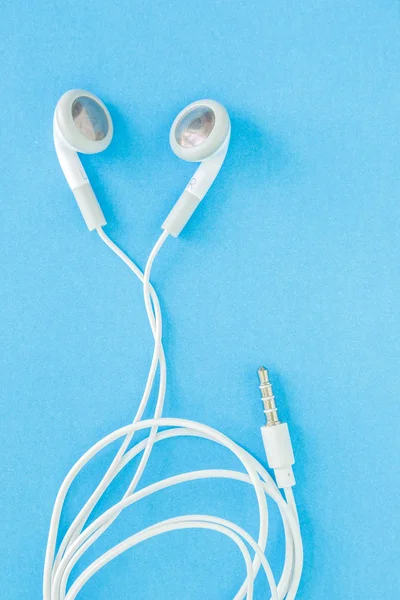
<point>79,183</point>
<point>181,213</point>
<point>89,206</point>
<point>194,193</point>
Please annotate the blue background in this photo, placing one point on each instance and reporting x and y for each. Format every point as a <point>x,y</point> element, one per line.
<point>292,261</point>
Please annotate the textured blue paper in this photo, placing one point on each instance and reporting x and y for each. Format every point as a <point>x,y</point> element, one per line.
<point>292,261</point>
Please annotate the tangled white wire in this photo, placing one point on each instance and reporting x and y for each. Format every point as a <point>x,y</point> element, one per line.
<point>79,537</point>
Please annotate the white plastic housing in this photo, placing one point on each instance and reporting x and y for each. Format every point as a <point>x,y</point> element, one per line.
<point>207,172</point>
<point>279,452</point>
<point>211,153</point>
<point>194,192</point>
<point>74,135</point>
<point>68,141</point>
<point>69,161</point>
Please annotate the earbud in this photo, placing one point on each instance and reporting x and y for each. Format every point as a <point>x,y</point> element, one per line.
<point>81,123</point>
<point>200,133</point>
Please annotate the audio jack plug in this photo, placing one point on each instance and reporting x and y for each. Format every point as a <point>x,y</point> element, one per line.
<point>276,436</point>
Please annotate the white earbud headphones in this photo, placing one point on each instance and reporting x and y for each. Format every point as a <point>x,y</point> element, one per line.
<point>200,133</point>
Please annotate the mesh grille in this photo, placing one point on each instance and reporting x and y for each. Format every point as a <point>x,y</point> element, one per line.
<point>195,127</point>
<point>90,118</point>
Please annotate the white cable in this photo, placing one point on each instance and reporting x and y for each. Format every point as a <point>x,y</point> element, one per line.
<point>79,538</point>
<point>188,522</point>
<point>158,356</point>
<point>197,430</point>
